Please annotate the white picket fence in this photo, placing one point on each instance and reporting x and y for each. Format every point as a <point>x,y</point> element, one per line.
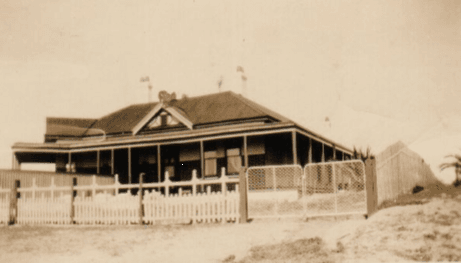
<point>44,205</point>
<point>44,210</point>
<point>103,204</point>
<point>107,209</point>
<point>4,206</point>
<point>183,208</point>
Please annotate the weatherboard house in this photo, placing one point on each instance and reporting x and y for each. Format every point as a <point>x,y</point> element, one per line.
<point>205,133</point>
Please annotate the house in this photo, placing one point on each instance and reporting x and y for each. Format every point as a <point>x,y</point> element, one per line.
<point>204,133</point>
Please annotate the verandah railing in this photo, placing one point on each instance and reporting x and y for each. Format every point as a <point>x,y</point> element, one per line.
<point>165,202</point>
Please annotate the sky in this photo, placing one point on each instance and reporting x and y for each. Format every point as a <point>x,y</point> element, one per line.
<point>381,71</point>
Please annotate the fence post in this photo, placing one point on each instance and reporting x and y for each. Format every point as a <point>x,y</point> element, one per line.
<point>194,196</point>
<point>117,183</point>
<point>140,198</point>
<point>243,196</point>
<point>93,192</point>
<point>72,197</point>
<point>335,188</point>
<point>34,187</point>
<point>194,182</point>
<point>371,186</point>
<point>14,202</point>
<point>52,188</point>
<point>304,192</point>
<point>167,184</point>
<point>223,181</point>
<point>276,204</point>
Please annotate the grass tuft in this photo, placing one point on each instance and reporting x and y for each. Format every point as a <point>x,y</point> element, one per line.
<point>303,250</point>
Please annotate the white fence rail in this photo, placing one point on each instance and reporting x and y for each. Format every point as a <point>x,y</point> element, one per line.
<point>166,202</point>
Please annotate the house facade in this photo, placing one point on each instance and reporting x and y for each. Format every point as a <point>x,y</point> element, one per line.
<point>205,133</point>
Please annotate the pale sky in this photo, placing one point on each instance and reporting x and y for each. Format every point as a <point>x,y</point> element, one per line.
<point>380,70</point>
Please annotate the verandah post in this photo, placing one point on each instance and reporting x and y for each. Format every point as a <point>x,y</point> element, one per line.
<point>243,196</point>
<point>140,192</point>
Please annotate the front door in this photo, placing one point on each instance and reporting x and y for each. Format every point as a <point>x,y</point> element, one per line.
<point>170,160</point>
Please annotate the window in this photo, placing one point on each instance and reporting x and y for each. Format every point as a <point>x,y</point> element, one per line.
<point>234,161</point>
<point>164,119</point>
<point>210,163</point>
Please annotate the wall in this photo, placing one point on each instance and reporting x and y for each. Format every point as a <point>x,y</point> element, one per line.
<point>43,179</point>
<point>399,170</point>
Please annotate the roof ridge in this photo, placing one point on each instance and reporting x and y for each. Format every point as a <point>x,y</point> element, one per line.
<point>90,127</point>
<point>240,97</point>
<point>124,108</point>
<point>194,97</point>
<point>260,108</point>
<point>70,118</point>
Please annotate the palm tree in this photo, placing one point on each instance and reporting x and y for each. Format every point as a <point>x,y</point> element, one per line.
<point>362,155</point>
<point>456,164</point>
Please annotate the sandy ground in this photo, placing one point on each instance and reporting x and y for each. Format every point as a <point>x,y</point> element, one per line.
<point>180,243</point>
<point>427,232</point>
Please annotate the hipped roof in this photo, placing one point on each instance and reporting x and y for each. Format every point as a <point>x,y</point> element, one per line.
<point>209,109</point>
<point>219,113</point>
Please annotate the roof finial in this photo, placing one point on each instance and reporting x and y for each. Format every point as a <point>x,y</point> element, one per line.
<point>165,98</point>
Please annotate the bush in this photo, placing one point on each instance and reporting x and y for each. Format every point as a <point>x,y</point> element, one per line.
<point>457,183</point>
<point>417,189</point>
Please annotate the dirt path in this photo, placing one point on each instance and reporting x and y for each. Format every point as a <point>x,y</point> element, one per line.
<point>200,243</point>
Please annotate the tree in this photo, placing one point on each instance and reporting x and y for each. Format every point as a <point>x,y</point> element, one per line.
<point>359,154</point>
<point>456,163</point>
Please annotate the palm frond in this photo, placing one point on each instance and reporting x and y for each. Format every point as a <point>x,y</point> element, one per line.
<point>449,165</point>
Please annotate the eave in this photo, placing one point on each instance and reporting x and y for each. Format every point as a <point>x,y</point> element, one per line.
<point>175,137</point>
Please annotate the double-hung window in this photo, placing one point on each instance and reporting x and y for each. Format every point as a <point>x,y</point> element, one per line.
<point>210,163</point>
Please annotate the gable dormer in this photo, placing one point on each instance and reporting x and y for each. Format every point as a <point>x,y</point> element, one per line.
<point>162,120</point>
<point>162,117</point>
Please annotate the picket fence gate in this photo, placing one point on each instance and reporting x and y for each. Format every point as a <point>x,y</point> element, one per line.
<point>104,204</point>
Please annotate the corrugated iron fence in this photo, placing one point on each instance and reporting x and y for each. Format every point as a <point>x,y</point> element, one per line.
<point>399,170</point>
<point>319,189</point>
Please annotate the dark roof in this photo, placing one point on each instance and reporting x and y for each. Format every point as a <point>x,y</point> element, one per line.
<point>125,119</point>
<point>208,109</point>
<point>68,126</point>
